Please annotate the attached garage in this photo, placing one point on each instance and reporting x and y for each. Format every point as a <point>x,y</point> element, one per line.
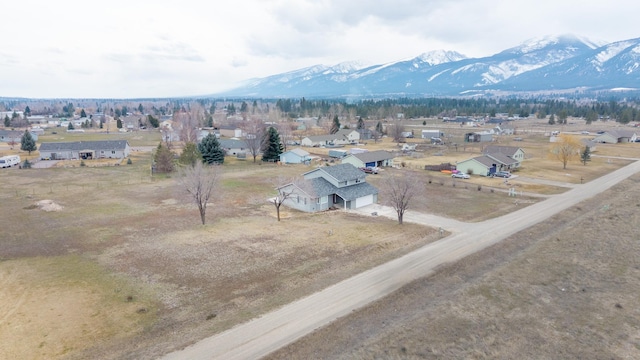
<point>364,201</point>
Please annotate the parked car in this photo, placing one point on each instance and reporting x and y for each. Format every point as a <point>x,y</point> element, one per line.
<point>460,175</point>
<point>502,174</point>
<point>370,170</point>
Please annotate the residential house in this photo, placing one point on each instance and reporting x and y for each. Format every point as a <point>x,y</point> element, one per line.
<point>479,136</point>
<point>505,128</point>
<point>341,186</point>
<point>15,136</point>
<point>590,143</point>
<point>295,156</point>
<point>378,158</point>
<point>233,146</point>
<point>112,149</point>
<point>494,158</point>
<point>616,136</point>
<point>342,137</point>
<point>513,152</point>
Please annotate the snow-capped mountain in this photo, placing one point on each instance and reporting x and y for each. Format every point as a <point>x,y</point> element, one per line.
<point>542,64</point>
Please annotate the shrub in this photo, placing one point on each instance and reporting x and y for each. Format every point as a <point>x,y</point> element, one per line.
<point>129,162</point>
<point>26,164</point>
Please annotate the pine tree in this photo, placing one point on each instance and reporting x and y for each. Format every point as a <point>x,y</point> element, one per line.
<point>70,126</point>
<point>585,156</point>
<point>190,154</point>
<point>273,146</point>
<point>83,114</point>
<point>27,143</point>
<point>211,151</point>
<point>379,128</point>
<point>335,127</point>
<point>163,159</point>
<point>361,125</point>
<point>119,123</point>
<point>552,120</point>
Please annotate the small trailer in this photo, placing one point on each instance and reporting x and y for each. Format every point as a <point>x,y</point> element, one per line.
<point>9,161</point>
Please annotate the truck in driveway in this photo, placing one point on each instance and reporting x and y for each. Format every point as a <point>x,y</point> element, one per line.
<point>9,161</point>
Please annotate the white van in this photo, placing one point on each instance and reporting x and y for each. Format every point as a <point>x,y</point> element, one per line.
<point>9,161</point>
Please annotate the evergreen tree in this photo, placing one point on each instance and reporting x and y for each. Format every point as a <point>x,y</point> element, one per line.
<point>27,111</point>
<point>153,121</point>
<point>83,114</point>
<point>335,127</point>
<point>552,120</point>
<point>361,125</point>
<point>163,159</point>
<point>211,151</point>
<point>7,121</point>
<point>585,156</point>
<point>27,143</point>
<point>119,123</point>
<point>379,128</point>
<point>70,126</point>
<point>273,146</point>
<point>190,154</point>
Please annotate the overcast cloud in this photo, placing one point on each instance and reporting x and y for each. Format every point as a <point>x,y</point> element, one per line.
<point>139,48</point>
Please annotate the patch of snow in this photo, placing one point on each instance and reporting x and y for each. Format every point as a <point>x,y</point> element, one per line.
<point>436,75</point>
<point>611,51</point>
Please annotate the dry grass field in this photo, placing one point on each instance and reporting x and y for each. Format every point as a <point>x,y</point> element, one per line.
<point>115,264</point>
<point>564,289</point>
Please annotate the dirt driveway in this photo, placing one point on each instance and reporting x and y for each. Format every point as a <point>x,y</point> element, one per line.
<point>263,335</point>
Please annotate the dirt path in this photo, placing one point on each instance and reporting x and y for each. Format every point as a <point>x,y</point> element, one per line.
<point>263,335</point>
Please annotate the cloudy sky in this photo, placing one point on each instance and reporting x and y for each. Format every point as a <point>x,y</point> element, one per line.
<point>163,48</point>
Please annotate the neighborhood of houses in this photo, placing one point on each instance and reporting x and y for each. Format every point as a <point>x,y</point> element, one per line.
<point>343,184</point>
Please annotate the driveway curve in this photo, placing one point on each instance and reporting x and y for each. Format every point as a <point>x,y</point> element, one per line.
<point>273,330</point>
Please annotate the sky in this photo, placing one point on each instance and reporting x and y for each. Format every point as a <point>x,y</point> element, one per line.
<point>167,48</point>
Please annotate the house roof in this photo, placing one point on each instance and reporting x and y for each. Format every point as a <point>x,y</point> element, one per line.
<point>484,160</point>
<point>341,172</point>
<point>506,150</point>
<point>502,158</point>
<point>340,135</point>
<point>621,133</point>
<point>298,151</point>
<point>322,187</point>
<point>232,143</point>
<point>84,145</point>
<point>371,156</point>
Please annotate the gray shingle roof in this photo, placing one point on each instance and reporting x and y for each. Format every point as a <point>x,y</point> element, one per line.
<point>343,172</point>
<point>507,150</point>
<point>502,158</point>
<point>322,187</point>
<point>371,156</point>
<point>84,145</point>
<point>232,143</point>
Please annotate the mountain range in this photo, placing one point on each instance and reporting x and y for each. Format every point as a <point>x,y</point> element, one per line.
<point>552,64</point>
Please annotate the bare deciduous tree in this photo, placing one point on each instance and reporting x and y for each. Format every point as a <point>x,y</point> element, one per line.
<point>287,188</point>
<point>199,181</point>
<point>396,130</point>
<point>254,130</point>
<point>399,189</point>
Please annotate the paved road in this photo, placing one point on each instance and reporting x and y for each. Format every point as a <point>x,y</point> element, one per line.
<point>271,331</point>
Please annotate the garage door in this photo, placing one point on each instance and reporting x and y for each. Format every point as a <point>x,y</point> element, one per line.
<point>364,201</point>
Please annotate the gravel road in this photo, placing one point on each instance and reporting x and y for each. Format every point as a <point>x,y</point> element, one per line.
<point>271,331</point>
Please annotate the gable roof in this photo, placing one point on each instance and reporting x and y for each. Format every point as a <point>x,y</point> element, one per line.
<point>298,151</point>
<point>371,156</point>
<point>232,143</point>
<point>84,145</point>
<point>341,172</point>
<point>322,187</point>
<point>502,158</point>
<point>621,133</point>
<point>506,150</point>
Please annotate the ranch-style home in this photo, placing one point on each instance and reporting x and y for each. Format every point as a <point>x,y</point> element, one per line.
<point>495,158</point>
<point>295,156</point>
<point>233,146</point>
<point>340,186</point>
<point>616,136</point>
<point>342,137</point>
<point>15,135</point>
<point>105,149</point>
<point>378,158</point>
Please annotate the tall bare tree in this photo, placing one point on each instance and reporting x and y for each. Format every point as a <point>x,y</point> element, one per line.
<point>187,125</point>
<point>396,130</point>
<point>288,188</point>
<point>254,138</point>
<point>199,181</point>
<point>399,189</point>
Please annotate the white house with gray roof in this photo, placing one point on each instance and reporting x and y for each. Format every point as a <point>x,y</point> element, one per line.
<point>342,137</point>
<point>378,158</point>
<point>105,149</point>
<point>340,186</point>
<point>295,156</point>
<point>616,136</point>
